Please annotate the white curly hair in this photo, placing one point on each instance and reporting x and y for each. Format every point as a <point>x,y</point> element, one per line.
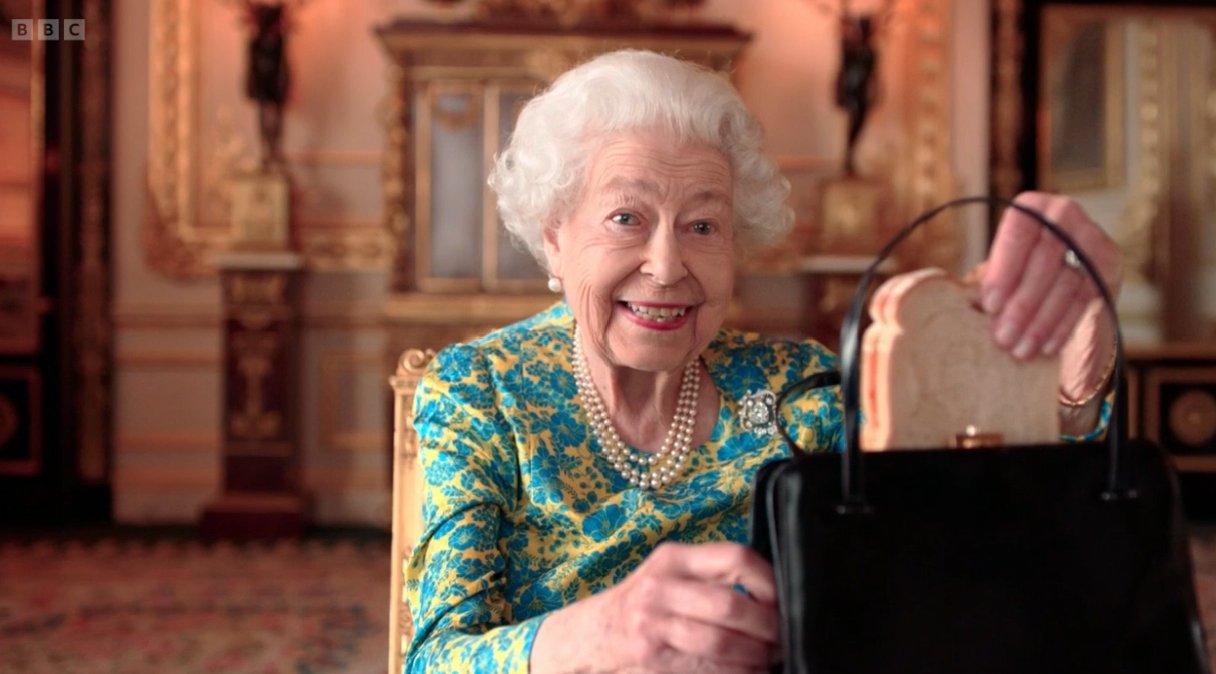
<point>540,173</point>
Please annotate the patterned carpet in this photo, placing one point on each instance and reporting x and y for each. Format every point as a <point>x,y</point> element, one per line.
<point>185,608</point>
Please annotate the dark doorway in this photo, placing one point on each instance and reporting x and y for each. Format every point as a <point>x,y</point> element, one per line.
<point>54,271</point>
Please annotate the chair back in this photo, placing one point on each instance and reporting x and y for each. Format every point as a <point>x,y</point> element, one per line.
<point>407,498</point>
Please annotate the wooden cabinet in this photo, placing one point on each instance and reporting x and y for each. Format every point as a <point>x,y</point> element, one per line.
<point>1172,401</point>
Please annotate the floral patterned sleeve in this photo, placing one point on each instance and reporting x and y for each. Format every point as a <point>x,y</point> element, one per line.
<point>1099,430</point>
<point>817,413</point>
<point>828,418</point>
<point>454,579</point>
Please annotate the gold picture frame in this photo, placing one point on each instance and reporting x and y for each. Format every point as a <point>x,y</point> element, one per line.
<point>177,239</point>
<point>1082,98</point>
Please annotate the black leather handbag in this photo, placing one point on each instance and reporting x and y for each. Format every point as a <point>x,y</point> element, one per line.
<point>1069,558</point>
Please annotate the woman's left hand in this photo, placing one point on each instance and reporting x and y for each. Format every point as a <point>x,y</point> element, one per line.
<point>1040,304</point>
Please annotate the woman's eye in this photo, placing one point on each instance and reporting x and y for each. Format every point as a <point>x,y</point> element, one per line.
<point>625,219</point>
<point>703,227</point>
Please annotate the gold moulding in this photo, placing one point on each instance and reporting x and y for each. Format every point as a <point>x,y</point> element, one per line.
<point>576,12</point>
<point>176,243</point>
<point>1192,417</point>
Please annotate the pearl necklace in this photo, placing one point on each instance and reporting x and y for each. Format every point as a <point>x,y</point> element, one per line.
<point>641,469</point>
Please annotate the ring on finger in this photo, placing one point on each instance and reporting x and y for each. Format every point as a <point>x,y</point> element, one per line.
<point>1072,261</point>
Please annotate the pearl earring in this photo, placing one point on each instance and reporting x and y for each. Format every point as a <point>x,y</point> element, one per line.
<point>555,284</point>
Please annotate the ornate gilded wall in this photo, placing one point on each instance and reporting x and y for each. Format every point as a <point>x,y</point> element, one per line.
<point>182,121</point>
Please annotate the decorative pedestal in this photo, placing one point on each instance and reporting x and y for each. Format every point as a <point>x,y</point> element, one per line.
<point>262,496</point>
<point>853,218</point>
<point>261,210</point>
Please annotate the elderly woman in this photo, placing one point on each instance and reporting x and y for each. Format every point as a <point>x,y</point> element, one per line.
<point>587,470</point>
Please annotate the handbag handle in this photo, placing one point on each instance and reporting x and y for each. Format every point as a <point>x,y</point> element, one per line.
<point>852,466</point>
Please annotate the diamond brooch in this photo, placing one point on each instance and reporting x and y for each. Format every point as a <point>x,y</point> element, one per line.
<point>758,410</point>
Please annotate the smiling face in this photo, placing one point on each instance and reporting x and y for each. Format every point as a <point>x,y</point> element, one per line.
<point>647,254</point>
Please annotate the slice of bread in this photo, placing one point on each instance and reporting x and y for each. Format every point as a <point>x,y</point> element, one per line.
<point>931,372</point>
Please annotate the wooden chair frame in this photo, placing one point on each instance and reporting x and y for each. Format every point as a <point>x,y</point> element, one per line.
<point>407,498</point>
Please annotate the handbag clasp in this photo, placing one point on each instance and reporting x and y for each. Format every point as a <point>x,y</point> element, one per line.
<point>971,437</point>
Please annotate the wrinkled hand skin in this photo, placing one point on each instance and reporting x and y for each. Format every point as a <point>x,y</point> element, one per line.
<point>678,612</point>
<point>1039,305</point>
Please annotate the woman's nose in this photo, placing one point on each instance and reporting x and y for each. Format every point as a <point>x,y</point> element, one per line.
<point>664,260</point>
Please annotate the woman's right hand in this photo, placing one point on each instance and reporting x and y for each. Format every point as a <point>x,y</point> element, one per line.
<point>679,612</point>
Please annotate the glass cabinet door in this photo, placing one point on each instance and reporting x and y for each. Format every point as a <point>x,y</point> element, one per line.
<point>460,243</point>
<point>516,266</point>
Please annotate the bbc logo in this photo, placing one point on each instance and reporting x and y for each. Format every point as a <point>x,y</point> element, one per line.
<point>48,29</point>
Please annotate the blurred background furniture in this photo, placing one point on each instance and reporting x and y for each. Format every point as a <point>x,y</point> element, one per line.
<point>455,91</point>
<point>407,498</point>
<point>1112,102</point>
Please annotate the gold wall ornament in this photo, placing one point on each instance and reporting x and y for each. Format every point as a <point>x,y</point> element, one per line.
<point>256,290</point>
<point>855,217</point>
<point>348,248</point>
<point>262,494</point>
<point>1135,229</point>
<point>261,211</point>
<point>455,105</point>
<point>923,177</point>
<point>1178,399</point>
<point>835,296</point>
<point>229,156</point>
<point>188,212</point>
<point>257,305</point>
<point>175,243</point>
<point>167,253</point>
<point>578,12</point>
<point>254,421</point>
<point>396,117</point>
<point>546,64</point>
<point>1192,417</point>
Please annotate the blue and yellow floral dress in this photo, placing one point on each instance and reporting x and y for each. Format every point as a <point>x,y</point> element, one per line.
<point>524,515</point>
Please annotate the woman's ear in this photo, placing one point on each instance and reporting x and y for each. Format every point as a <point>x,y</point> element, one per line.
<point>553,256</point>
